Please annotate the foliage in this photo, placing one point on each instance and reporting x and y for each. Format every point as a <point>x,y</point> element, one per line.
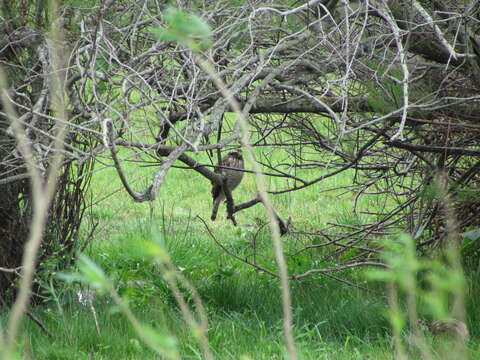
<point>186,29</point>
<point>431,287</point>
<point>370,101</point>
<point>25,70</point>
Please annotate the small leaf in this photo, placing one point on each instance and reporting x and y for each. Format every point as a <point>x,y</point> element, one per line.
<point>70,277</point>
<point>383,275</point>
<point>154,250</point>
<point>92,273</point>
<point>162,34</point>
<point>472,235</point>
<point>187,29</point>
<point>166,343</point>
<point>186,24</point>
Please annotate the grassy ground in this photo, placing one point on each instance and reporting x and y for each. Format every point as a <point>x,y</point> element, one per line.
<point>244,308</point>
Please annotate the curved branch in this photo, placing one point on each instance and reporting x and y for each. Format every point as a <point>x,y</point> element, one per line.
<point>151,191</point>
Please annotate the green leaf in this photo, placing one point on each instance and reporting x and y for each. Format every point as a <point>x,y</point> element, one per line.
<point>92,273</point>
<point>162,34</point>
<point>187,29</point>
<point>70,277</point>
<point>89,273</point>
<point>186,24</point>
<point>383,275</point>
<point>154,250</point>
<point>167,343</point>
<point>472,235</point>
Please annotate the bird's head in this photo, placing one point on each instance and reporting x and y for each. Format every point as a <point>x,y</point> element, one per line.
<point>237,153</point>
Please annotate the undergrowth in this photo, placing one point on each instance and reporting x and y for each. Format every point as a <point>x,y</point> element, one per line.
<point>331,320</point>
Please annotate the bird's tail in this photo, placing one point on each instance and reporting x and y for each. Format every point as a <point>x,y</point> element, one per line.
<point>216,204</point>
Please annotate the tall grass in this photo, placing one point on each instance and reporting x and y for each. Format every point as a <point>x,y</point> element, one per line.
<point>245,309</point>
<point>331,321</point>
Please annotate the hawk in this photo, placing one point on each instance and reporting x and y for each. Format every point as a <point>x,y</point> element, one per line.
<point>233,159</point>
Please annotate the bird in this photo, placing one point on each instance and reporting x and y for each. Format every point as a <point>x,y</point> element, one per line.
<point>450,327</point>
<point>234,159</point>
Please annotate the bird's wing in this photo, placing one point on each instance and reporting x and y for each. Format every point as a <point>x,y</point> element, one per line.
<point>216,189</point>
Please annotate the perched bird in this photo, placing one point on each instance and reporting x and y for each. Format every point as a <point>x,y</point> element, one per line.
<point>450,327</point>
<point>233,159</point>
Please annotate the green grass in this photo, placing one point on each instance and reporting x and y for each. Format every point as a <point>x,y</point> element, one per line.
<point>331,321</point>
